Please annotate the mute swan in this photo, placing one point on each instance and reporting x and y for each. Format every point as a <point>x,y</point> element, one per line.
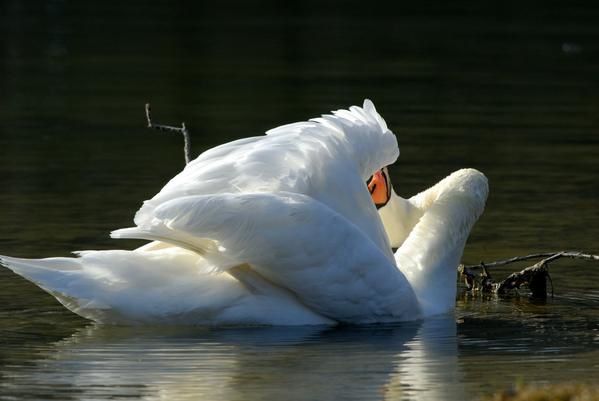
<point>278,229</point>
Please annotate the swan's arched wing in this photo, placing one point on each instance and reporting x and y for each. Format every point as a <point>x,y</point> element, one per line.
<point>168,286</point>
<point>327,158</point>
<point>430,255</point>
<point>294,241</point>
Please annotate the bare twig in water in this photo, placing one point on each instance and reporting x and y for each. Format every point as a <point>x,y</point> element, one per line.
<point>534,277</point>
<point>182,130</point>
<point>551,255</point>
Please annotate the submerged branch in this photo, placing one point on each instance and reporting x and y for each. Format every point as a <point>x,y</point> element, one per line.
<point>181,130</point>
<point>534,277</point>
<point>551,255</point>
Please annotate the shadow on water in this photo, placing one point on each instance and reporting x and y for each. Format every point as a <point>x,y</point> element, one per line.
<point>429,360</point>
<point>377,362</point>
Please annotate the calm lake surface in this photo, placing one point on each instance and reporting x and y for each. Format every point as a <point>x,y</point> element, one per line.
<point>511,89</point>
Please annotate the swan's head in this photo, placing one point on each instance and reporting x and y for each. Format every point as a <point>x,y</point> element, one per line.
<point>398,215</point>
<point>379,186</point>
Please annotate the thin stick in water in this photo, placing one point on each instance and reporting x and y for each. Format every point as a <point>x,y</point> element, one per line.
<point>181,130</point>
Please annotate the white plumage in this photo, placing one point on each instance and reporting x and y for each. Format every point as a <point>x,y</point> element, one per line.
<point>327,158</point>
<point>278,229</point>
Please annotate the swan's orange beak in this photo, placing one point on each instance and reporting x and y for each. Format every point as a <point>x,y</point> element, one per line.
<point>379,188</point>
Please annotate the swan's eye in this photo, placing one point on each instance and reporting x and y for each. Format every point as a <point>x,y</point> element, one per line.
<point>378,186</point>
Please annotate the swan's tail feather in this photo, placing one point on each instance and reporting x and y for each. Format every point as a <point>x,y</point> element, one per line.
<point>129,287</point>
<point>208,248</point>
<point>56,276</point>
<point>40,271</point>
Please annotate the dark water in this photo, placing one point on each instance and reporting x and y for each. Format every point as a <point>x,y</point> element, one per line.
<point>511,89</point>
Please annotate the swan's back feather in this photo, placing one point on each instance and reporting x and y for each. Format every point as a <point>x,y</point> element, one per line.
<point>329,264</point>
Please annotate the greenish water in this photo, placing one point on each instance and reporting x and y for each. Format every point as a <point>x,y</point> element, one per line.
<point>510,89</point>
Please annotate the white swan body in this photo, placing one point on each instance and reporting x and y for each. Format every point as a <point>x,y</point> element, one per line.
<point>276,229</point>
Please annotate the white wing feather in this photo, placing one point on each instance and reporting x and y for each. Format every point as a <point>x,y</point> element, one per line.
<point>295,242</point>
<point>327,158</point>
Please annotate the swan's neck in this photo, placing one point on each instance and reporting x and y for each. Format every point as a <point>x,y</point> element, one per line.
<point>399,217</point>
<point>430,254</point>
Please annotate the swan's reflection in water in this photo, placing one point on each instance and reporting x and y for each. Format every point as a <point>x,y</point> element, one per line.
<point>410,361</point>
<point>428,368</point>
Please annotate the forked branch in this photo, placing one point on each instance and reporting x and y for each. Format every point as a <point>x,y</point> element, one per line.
<point>549,255</point>
<point>535,277</point>
<point>181,130</point>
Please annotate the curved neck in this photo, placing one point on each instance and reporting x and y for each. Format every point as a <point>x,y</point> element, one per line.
<point>399,217</point>
<point>439,221</point>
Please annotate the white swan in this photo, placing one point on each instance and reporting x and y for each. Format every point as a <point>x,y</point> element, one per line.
<point>277,229</point>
